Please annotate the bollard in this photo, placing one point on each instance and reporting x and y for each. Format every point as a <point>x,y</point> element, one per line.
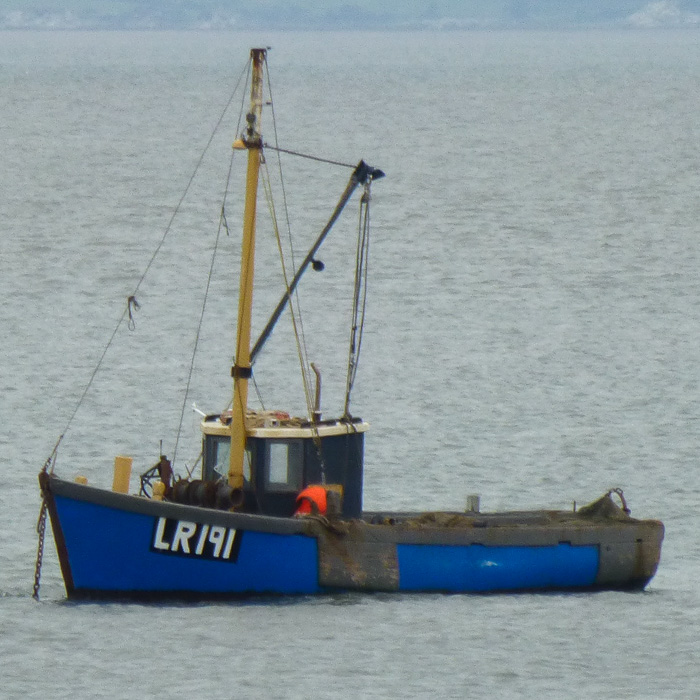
<point>122,474</point>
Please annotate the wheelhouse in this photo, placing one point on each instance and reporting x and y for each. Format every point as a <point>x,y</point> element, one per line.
<point>284,455</point>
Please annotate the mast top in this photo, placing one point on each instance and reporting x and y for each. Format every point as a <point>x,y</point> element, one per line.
<point>252,137</point>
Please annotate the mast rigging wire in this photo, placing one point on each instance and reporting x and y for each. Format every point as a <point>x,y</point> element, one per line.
<point>308,157</point>
<point>132,302</point>
<point>297,322</point>
<point>298,331</point>
<point>359,303</point>
<point>296,316</point>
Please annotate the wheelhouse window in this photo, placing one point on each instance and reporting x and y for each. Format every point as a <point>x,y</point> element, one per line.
<point>218,454</point>
<point>284,469</point>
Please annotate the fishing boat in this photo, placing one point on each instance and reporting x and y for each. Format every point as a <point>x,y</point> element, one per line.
<point>278,506</point>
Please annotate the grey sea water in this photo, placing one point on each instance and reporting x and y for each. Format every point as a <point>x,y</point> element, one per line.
<point>532,336</point>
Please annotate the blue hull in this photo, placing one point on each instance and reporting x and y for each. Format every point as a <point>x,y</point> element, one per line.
<point>116,552</point>
<point>480,569</point>
<point>112,545</point>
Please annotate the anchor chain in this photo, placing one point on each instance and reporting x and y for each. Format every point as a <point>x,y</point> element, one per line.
<point>41,530</point>
<point>41,522</point>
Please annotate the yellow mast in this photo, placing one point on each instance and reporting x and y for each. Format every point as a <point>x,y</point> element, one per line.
<point>251,140</point>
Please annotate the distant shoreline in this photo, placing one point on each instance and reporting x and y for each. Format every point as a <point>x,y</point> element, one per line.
<point>229,15</point>
<point>370,28</point>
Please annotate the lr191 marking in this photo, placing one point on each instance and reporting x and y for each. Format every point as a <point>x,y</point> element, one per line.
<point>189,539</point>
